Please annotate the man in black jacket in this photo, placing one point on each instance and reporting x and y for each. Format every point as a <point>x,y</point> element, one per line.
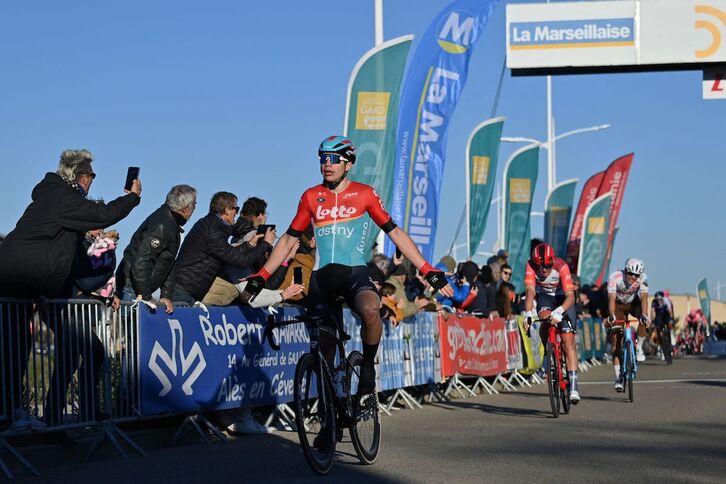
<point>149,258</point>
<point>206,249</point>
<point>37,259</point>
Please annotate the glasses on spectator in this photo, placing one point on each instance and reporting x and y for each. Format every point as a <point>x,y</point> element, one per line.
<point>506,273</point>
<point>332,158</point>
<point>92,175</point>
<point>236,209</point>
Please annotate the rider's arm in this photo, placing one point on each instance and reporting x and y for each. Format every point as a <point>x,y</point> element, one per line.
<point>567,287</point>
<point>611,303</point>
<point>528,298</point>
<point>569,301</point>
<point>407,247</point>
<point>530,283</point>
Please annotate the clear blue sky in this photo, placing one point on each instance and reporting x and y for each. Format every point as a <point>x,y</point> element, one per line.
<point>236,96</point>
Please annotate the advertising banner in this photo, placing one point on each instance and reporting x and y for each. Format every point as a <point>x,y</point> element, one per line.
<point>588,195</point>
<point>514,345</point>
<point>472,346</point>
<point>191,361</point>
<point>371,117</point>
<point>704,299</point>
<point>435,78</point>
<point>532,345</point>
<point>588,348</point>
<point>558,209</point>
<point>520,178</point>
<point>423,346</point>
<point>593,247</point>
<point>614,181</point>
<point>482,154</point>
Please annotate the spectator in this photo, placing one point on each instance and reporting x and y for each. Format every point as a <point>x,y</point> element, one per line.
<point>461,291</point>
<point>305,260</point>
<point>149,258</point>
<point>37,259</point>
<point>505,272</point>
<point>391,308</point>
<point>252,215</point>
<point>487,281</point>
<point>496,268</point>
<point>206,249</point>
<point>397,280</point>
<point>478,301</point>
<point>94,277</point>
<point>504,298</point>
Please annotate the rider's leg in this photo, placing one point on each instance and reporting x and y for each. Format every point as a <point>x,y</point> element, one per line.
<point>367,306</point>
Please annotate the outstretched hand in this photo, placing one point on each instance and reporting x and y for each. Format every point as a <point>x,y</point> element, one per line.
<point>437,280</point>
<point>254,286</point>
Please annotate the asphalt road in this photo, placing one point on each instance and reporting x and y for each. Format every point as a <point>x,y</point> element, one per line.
<point>675,431</point>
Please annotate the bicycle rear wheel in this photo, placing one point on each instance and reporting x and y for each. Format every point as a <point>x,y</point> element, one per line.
<point>553,383</point>
<point>314,414</point>
<point>365,430</point>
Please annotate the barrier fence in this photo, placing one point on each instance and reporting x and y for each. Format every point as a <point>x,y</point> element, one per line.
<point>77,364</point>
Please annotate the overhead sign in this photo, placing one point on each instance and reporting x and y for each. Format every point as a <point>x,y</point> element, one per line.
<point>714,82</point>
<point>615,35</point>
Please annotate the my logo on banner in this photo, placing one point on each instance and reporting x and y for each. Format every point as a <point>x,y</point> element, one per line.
<point>170,361</point>
<point>456,32</point>
<point>712,28</point>
<point>372,113</point>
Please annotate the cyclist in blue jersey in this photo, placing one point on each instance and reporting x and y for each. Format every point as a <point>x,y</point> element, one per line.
<point>340,211</point>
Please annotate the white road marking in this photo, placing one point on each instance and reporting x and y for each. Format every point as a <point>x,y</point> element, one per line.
<point>691,380</point>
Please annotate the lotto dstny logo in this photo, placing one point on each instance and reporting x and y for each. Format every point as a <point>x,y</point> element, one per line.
<point>711,27</point>
<point>457,33</point>
<point>187,365</point>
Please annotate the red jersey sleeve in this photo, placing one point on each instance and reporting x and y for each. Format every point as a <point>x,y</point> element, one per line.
<point>529,278</point>
<point>303,216</point>
<point>375,208</point>
<point>565,276</point>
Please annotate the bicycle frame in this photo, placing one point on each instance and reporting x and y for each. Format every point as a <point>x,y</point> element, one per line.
<point>629,343</point>
<point>554,336</point>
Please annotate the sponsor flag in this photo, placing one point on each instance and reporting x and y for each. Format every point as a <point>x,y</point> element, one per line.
<point>520,178</point>
<point>558,208</point>
<point>371,117</point>
<point>593,246</point>
<point>616,177</point>
<point>704,299</point>
<point>482,153</point>
<point>434,81</point>
<point>589,193</point>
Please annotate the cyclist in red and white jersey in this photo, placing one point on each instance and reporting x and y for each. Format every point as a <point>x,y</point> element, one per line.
<point>548,281</point>
<point>627,295</point>
<point>340,212</point>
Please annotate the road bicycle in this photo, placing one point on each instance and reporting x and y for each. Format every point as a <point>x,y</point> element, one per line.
<point>558,382</point>
<point>326,399</point>
<point>628,362</point>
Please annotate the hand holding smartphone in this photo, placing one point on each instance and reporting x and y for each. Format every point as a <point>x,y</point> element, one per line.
<point>131,175</point>
<point>262,229</point>
<point>297,275</point>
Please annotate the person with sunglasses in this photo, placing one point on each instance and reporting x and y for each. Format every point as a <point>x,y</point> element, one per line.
<point>340,211</point>
<point>627,295</point>
<point>548,283</point>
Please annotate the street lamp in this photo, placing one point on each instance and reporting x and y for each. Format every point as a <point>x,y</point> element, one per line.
<point>719,285</point>
<point>551,163</point>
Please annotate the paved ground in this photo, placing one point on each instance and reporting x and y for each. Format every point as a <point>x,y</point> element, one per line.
<point>675,432</point>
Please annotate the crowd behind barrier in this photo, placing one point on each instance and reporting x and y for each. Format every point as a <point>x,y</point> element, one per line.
<point>213,358</point>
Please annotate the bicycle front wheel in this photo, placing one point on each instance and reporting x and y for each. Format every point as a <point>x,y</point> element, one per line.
<point>365,430</point>
<point>553,382</point>
<point>630,369</point>
<point>314,414</point>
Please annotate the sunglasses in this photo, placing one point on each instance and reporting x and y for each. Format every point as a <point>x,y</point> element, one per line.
<point>545,268</point>
<point>631,274</point>
<point>92,175</point>
<point>333,158</point>
<point>507,273</point>
<point>236,209</point>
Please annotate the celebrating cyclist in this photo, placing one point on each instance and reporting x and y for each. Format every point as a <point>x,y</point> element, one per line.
<point>662,316</point>
<point>337,209</point>
<point>548,282</point>
<point>627,295</point>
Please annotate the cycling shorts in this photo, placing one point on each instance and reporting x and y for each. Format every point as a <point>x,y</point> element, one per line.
<point>335,284</point>
<point>547,301</point>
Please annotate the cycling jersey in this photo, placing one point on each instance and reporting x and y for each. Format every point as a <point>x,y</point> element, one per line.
<point>340,221</point>
<point>624,294</point>
<point>557,283</point>
<point>662,312</point>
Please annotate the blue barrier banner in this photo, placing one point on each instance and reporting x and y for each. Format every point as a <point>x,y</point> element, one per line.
<point>193,361</point>
<point>424,347</point>
<point>390,368</point>
<point>431,89</point>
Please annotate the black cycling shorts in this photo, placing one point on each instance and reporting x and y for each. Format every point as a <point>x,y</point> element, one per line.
<point>569,321</point>
<point>335,284</point>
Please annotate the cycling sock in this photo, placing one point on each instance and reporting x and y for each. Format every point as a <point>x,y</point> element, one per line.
<point>639,344</point>
<point>369,353</point>
<point>572,375</point>
<point>617,371</point>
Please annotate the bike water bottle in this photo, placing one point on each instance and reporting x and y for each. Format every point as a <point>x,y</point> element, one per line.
<point>339,382</point>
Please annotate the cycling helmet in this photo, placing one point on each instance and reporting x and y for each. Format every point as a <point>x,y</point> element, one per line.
<point>659,294</point>
<point>634,266</point>
<point>543,255</point>
<point>339,145</point>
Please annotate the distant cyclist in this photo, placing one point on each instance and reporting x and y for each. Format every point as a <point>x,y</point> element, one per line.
<point>661,313</point>
<point>627,295</point>
<point>340,211</point>
<point>548,281</point>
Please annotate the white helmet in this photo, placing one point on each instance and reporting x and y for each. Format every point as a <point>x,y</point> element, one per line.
<point>634,266</point>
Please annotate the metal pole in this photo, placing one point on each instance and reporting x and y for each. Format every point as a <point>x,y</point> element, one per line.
<point>550,135</point>
<point>379,21</point>
<point>718,290</point>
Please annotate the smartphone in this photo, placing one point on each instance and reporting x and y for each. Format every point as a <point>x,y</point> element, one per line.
<point>398,253</point>
<point>131,175</point>
<point>262,229</point>
<point>297,276</point>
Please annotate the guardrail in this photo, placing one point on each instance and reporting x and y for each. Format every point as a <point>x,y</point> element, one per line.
<point>77,364</point>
